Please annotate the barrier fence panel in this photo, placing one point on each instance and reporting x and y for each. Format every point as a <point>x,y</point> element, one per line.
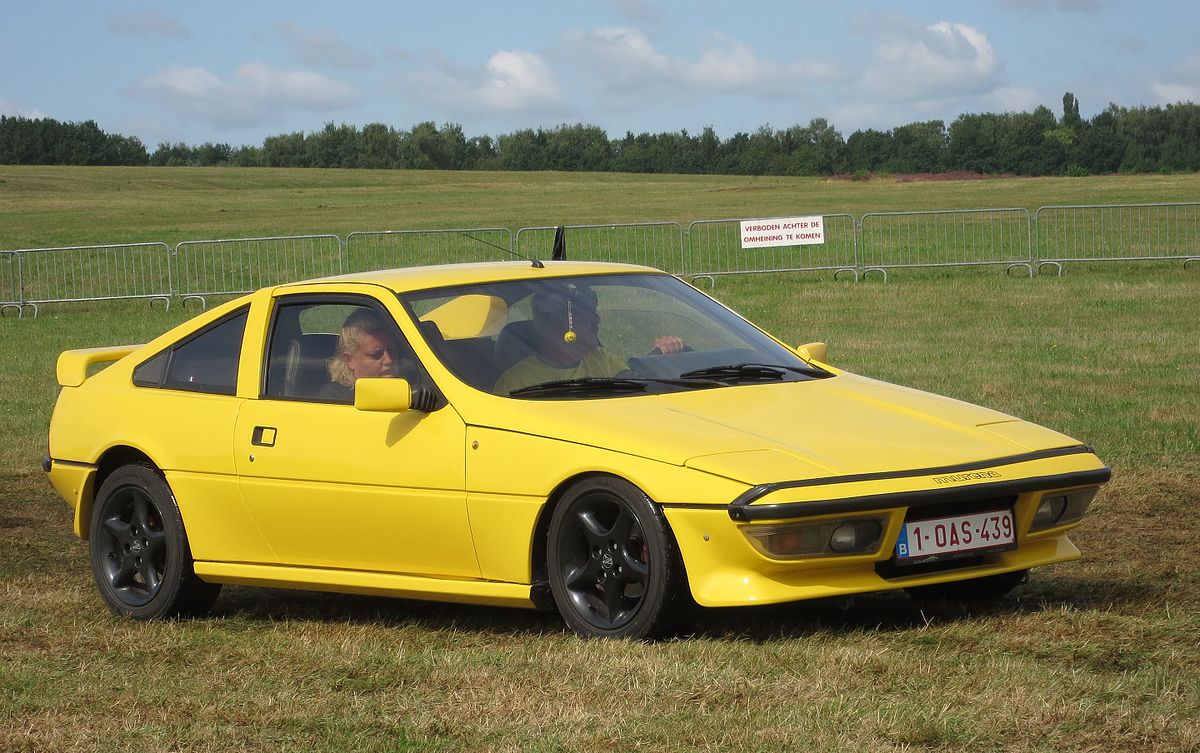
<point>651,244</point>
<point>387,249</point>
<point>878,242</point>
<point>94,273</point>
<point>10,283</point>
<point>241,265</point>
<point>1118,232</point>
<point>951,238</point>
<point>714,247</point>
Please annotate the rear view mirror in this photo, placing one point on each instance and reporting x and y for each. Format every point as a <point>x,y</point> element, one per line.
<point>813,352</point>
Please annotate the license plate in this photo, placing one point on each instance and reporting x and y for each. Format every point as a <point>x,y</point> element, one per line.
<point>920,539</point>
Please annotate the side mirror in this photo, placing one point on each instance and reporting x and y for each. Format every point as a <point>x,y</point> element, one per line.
<point>814,352</point>
<point>382,395</point>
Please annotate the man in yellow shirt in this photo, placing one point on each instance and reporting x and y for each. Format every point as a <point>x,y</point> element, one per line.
<point>567,345</point>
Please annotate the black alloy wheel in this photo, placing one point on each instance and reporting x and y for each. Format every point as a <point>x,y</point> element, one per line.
<point>140,557</point>
<point>614,566</point>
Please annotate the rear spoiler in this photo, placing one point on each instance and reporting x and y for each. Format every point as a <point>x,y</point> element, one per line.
<point>73,365</point>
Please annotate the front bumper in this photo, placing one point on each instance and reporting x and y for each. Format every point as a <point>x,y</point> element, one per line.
<point>725,569</point>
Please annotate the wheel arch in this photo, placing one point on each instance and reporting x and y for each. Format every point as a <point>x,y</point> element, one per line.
<point>110,460</point>
<point>539,568</point>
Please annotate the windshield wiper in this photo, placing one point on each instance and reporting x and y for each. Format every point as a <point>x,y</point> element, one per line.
<point>751,372</point>
<point>587,386</point>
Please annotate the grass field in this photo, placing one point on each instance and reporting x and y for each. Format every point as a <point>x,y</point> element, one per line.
<point>1097,655</point>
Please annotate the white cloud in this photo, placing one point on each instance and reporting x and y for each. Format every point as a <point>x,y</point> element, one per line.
<point>935,63</point>
<point>11,109</point>
<point>1181,84</point>
<point>1012,99</point>
<point>1168,93</point>
<point>627,70</point>
<point>183,83</point>
<point>1069,6</point>
<point>1126,43</point>
<point>323,48</point>
<point>517,81</point>
<point>151,22</point>
<point>851,116</point>
<point>620,61</point>
<point>511,83</point>
<point>728,65</point>
<point>256,94</point>
<point>637,10</point>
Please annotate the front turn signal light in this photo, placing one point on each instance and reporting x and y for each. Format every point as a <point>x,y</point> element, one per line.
<point>1062,508</point>
<point>819,539</point>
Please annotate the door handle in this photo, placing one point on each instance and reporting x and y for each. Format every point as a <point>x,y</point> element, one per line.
<point>264,436</point>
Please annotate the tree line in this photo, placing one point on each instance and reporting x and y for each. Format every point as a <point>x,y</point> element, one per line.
<point>1118,139</point>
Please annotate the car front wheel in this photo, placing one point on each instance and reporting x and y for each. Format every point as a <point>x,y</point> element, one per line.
<point>140,557</point>
<point>615,570</point>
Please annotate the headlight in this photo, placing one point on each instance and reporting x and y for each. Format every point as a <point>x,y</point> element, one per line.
<point>855,536</point>
<point>1061,508</point>
<point>820,539</point>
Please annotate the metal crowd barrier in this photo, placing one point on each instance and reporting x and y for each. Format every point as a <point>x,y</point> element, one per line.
<point>879,242</point>
<point>242,265</point>
<point>653,244</point>
<point>10,283</point>
<point>386,249</point>
<point>952,238</point>
<point>714,247</point>
<point>1117,232</point>
<point>70,274</point>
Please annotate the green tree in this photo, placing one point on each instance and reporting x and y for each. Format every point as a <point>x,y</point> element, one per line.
<point>286,150</point>
<point>379,147</point>
<point>868,151</point>
<point>918,148</point>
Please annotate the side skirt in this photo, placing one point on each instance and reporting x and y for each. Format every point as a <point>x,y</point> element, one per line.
<point>368,583</point>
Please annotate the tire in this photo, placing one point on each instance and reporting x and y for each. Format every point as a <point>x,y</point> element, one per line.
<point>140,557</point>
<point>976,590</point>
<point>615,570</point>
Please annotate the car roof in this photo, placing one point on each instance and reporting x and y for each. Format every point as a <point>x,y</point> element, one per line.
<point>407,279</point>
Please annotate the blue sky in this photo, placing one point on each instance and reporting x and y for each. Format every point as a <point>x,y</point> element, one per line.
<point>237,72</point>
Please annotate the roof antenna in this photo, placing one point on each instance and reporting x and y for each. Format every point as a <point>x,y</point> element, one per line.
<point>559,253</point>
<point>534,262</point>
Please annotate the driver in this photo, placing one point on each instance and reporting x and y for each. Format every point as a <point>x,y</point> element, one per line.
<point>367,347</point>
<point>567,342</point>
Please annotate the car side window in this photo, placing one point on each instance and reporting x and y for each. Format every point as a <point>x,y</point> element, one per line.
<point>205,362</point>
<point>305,362</point>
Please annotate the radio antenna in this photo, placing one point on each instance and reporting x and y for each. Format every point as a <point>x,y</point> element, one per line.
<point>534,262</point>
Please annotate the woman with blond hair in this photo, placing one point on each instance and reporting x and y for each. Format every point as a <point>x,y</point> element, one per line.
<point>368,346</point>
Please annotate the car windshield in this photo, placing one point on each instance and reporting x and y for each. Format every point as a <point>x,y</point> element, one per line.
<point>596,336</point>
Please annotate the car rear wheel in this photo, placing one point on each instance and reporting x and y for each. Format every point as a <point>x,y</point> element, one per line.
<point>988,588</point>
<point>615,570</point>
<point>140,557</point>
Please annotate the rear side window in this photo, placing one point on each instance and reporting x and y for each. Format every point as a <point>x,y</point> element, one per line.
<point>205,362</point>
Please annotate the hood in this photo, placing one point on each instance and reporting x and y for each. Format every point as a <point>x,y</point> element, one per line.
<point>777,432</point>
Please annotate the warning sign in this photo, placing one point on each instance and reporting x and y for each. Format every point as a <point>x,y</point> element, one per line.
<point>786,231</point>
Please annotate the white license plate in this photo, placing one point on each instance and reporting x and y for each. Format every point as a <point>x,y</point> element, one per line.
<point>960,533</point>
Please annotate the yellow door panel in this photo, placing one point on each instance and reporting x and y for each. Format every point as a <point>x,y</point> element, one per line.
<point>335,487</point>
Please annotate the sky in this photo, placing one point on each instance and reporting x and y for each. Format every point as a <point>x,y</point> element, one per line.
<point>237,72</point>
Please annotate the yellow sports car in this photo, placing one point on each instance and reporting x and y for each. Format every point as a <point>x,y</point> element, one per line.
<point>602,439</point>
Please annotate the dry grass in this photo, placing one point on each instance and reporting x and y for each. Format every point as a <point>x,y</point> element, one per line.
<point>1097,655</point>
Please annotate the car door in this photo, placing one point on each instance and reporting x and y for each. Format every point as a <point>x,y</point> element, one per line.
<point>331,486</point>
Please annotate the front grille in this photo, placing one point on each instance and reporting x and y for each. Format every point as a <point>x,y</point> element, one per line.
<point>968,507</point>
